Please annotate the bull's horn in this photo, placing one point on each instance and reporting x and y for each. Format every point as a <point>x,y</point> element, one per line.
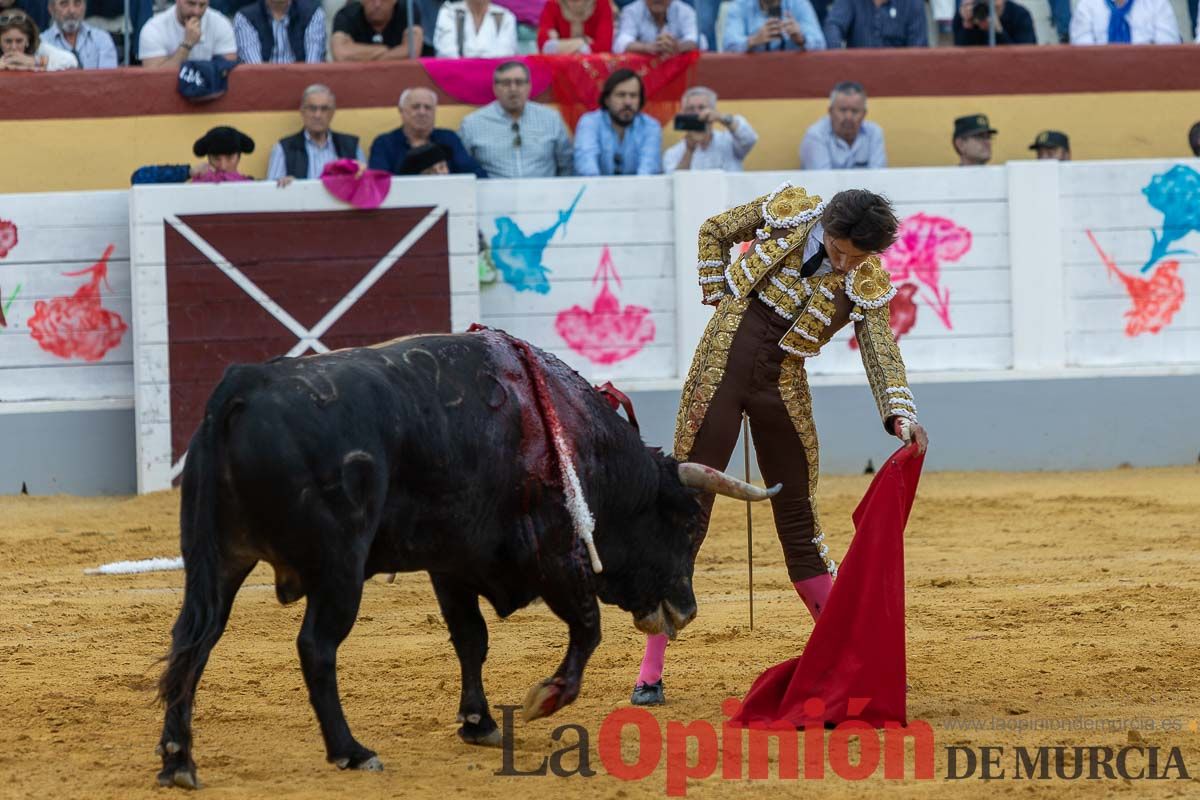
<point>707,479</point>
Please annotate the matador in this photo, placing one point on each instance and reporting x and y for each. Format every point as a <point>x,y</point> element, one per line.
<point>810,269</point>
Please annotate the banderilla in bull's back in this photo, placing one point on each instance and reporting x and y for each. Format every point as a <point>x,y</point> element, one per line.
<point>450,454</point>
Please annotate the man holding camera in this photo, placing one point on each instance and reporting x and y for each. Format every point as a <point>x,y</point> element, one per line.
<point>702,147</point>
<point>760,26</point>
<point>1014,24</point>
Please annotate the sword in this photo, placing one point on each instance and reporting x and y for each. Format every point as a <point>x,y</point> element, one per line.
<point>749,528</point>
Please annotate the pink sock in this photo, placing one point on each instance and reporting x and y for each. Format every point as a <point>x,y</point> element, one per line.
<point>652,662</point>
<point>815,593</point>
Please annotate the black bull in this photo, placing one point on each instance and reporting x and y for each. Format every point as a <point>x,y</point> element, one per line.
<point>427,453</point>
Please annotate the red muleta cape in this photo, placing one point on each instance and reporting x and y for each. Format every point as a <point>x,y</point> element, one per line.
<point>856,650</point>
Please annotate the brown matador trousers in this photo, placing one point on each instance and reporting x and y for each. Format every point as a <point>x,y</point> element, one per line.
<point>751,384</point>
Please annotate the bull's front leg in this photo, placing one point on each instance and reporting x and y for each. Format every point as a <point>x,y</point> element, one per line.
<point>469,635</point>
<point>571,597</point>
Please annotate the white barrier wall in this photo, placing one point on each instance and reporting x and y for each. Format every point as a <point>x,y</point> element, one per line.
<point>1032,268</point>
<point>65,298</point>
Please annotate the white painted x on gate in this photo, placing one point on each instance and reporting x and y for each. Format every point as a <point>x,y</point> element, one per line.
<point>308,338</point>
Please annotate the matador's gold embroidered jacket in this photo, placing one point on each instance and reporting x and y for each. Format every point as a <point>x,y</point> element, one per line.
<point>779,225</point>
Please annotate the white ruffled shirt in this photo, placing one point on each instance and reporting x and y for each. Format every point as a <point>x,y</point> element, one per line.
<point>496,37</point>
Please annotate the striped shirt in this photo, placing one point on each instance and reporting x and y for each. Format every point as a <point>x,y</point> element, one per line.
<point>492,136</point>
<point>250,48</point>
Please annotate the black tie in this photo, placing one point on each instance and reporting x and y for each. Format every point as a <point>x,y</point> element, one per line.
<point>814,262</point>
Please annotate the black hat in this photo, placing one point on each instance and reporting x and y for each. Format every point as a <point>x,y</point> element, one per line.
<point>972,124</point>
<point>223,141</point>
<point>422,158</point>
<point>1051,139</point>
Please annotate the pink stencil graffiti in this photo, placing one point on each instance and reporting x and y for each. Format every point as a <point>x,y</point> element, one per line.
<point>8,237</point>
<point>607,333</point>
<point>1155,299</point>
<point>78,326</point>
<point>923,243</point>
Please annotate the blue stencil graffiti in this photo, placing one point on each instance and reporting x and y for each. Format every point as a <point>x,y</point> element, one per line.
<point>1176,193</point>
<point>518,255</point>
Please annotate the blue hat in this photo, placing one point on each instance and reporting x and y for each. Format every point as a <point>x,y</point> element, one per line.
<point>200,81</point>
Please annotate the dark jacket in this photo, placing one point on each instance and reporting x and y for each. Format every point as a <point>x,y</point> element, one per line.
<point>299,15</point>
<point>389,149</point>
<point>1016,27</point>
<point>295,154</point>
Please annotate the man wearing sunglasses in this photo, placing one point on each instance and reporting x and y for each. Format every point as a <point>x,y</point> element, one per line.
<point>513,137</point>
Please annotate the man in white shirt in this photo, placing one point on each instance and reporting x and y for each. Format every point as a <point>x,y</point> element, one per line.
<point>710,149</point>
<point>93,47</point>
<point>188,31</point>
<point>475,29</point>
<point>1132,22</point>
<point>844,139</point>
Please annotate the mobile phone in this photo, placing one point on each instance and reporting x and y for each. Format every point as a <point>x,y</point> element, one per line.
<point>776,12</point>
<point>690,122</point>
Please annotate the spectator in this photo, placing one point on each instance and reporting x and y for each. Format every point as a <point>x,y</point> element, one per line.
<point>876,23</point>
<point>187,31</point>
<point>418,110</point>
<point>973,140</point>
<point>844,139</point>
<point>475,29</point>
<point>1060,15</point>
<point>709,149</point>
<point>303,155</point>
<point>514,138</point>
<point>36,9</point>
<point>281,32</point>
<point>617,139</point>
<point>374,29</point>
<point>92,47</point>
<point>1194,139</point>
<point>428,159</point>
<point>657,27</point>
<point>576,26</point>
<point>222,149</point>
<point>1052,145</point>
<point>1124,22</point>
<point>756,26</point>
<point>22,48</point>
<point>1014,23</point>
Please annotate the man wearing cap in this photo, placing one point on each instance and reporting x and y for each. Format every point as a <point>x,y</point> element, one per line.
<point>222,149</point>
<point>973,140</point>
<point>1052,145</point>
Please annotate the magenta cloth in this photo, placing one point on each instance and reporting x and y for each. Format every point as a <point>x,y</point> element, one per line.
<point>527,11</point>
<point>212,176</point>
<point>854,661</point>
<point>469,80</point>
<point>367,190</point>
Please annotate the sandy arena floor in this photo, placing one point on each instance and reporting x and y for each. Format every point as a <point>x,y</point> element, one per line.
<point>1039,596</point>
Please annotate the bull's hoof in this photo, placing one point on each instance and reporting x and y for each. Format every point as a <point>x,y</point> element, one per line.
<point>485,734</point>
<point>364,760</point>
<point>184,778</point>
<point>544,699</point>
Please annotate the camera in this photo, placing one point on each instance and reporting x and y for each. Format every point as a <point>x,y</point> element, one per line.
<point>979,12</point>
<point>690,122</point>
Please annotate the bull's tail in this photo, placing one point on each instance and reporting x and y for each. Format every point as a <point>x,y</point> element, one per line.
<point>202,617</point>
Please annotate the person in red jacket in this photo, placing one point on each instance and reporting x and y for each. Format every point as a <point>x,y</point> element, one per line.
<point>576,26</point>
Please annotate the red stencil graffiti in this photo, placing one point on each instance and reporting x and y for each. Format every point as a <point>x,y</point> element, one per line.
<point>8,237</point>
<point>78,326</point>
<point>607,333</point>
<point>1155,299</point>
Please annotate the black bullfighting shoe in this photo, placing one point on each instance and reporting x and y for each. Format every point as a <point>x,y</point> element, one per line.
<point>648,694</point>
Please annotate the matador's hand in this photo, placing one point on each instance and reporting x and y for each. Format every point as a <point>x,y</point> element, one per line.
<point>908,431</point>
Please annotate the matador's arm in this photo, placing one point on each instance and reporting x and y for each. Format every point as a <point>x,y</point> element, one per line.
<point>880,355</point>
<point>717,235</point>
